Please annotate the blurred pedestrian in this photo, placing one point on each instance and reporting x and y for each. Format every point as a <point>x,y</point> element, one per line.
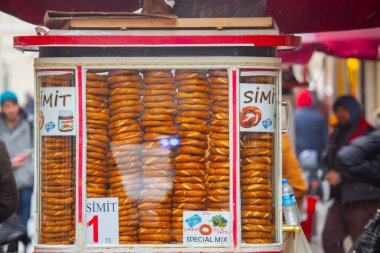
<point>8,189</point>
<point>361,160</point>
<point>16,132</point>
<point>354,202</point>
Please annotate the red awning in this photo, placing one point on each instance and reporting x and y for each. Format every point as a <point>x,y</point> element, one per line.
<point>363,44</point>
<point>292,16</point>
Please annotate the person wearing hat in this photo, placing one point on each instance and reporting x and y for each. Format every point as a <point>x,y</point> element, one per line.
<point>16,132</point>
<point>355,202</point>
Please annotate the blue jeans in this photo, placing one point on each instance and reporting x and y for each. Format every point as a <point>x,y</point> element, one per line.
<point>25,199</point>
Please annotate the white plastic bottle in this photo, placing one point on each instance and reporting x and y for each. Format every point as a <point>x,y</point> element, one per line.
<point>289,205</point>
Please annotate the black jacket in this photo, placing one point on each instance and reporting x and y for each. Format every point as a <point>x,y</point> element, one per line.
<point>361,159</point>
<point>8,189</point>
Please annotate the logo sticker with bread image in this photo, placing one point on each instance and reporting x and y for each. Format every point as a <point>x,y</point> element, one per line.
<point>250,116</point>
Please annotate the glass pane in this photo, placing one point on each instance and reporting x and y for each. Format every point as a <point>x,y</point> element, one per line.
<point>257,126</point>
<point>57,159</point>
<point>158,140</point>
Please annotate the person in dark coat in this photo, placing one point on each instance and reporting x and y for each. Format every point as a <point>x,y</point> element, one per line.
<point>354,202</point>
<point>8,188</point>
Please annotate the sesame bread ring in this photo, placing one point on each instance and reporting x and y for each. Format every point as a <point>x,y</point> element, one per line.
<point>257,159</point>
<point>127,141</point>
<point>192,120</point>
<point>60,195</point>
<point>99,122</point>
<point>222,104</point>
<point>123,129</point>
<point>51,155</point>
<point>194,143</point>
<point>222,80</point>
<point>256,144</point>
<point>151,206</point>
<point>96,180</point>
<point>160,86</point>
<point>95,126</point>
<point>96,155</point>
<point>225,184</point>
<point>156,123</point>
<point>163,224</point>
<point>194,101</point>
<point>97,91</point>
<point>218,72</point>
<point>217,178</point>
<point>190,173</point>
<point>100,144</point>
<point>190,206</point>
<point>143,230</point>
<point>219,92</point>
<point>256,166</point>
<point>193,82</point>
<point>220,143</point>
<point>218,191</point>
<point>193,127</point>
<point>219,198</point>
<point>159,92</point>
<point>193,88</point>
<point>220,151</point>
<point>127,135</point>
<point>97,115</point>
<point>94,103</point>
<point>256,151</point>
<point>219,165</point>
<point>124,97</point>
<point>217,109</point>
<point>180,71</point>
<point>157,173</point>
<point>156,136</point>
<point>183,158</point>
<point>157,98</point>
<point>190,193</point>
<point>219,205</point>
<point>158,73</point>
<point>122,122</point>
<point>97,97</point>
<point>96,77</point>
<point>165,104</point>
<point>220,115</point>
<point>192,135</point>
<point>219,129</point>
<point>257,221</point>
<point>190,166</point>
<point>53,201</point>
<point>252,173</point>
<point>257,235</point>
<point>223,172</point>
<point>254,180</point>
<point>219,97</point>
<point>257,194</point>
<point>178,179</point>
<point>260,208</point>
<point>160,111</point>
<point>156,180</point>
<point>191,150</point>
<point>122,91</point>
<point>163,130</point>
<point>153,80</point>
<point>57,145</point>
<point>124,103</point>
<point>103,138</point>
<point>256,214</point>
<point>130,214</point>
<point>155,199</point>
<point>257,136</point>
<point>97,131</point>
<point>119,79</point>
<point>155,218</point>
<point>190,186</point>
<point>183,76</point>
<point>120,153</point>
<point>120,72</point>
<point>258,241</point>
<point>96,84</point>
<point>219,122</point>
<point>154,117</point>
<point>155,237</point>
<point>184,95</point>
<point>156,212</point>
<point>219,136</point>
<point>124,159</point>
<point>155,160</point>
<point>157,152</point>
<point>137,85</point>
<point>128,109</point>
<point>256,187</point>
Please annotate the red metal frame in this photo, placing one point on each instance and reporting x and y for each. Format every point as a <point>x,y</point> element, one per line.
<point>80,145</point>
<point>33,43</point>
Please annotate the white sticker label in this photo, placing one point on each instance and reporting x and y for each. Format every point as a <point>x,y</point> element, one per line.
<point>257,107</point>
<point>206,228</point>
<point>57,111</point>
<point>102,221</point>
